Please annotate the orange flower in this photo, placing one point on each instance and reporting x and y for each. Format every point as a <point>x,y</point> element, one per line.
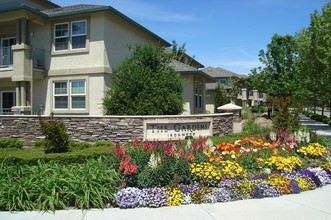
<point>211,159</point>
<point>217,159</point>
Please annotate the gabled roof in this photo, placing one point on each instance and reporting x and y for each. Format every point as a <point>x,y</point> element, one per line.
<point>185,69</point>
<point>74,9</point>
<point>57,12</point>
<point>219,72</point>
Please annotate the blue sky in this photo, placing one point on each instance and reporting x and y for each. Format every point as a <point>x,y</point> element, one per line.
<point>219,33</point>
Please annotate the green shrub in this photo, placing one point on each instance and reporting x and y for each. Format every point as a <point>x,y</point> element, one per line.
<point>52,186</point>
<point>56,137</point>
<point>39,143</point>
<point>77,145</point>
<point>255,109</point>
<point>10,143</point>
<point>33,155</point>
<point>150,72</point>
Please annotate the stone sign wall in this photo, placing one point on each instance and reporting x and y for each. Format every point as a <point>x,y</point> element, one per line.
<point>121,129</point>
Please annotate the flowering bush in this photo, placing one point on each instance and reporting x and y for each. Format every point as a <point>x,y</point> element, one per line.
<point>206,173</point>
<point>313,150</point>
<point>281,163</point>
<point>174,173</point>
<point>232,169</point>
<point>281,183</point>
<point>264,189</point>
<point>154,197</point>
<point>175,197</point>
<point>128,197</point>
<point>222,195</point>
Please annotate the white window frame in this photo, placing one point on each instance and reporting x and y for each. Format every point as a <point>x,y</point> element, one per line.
<point>70,35</point>
<point>77,35</point>
<point>60,95</point>
<point>77,95</point>
<point>69,94</point>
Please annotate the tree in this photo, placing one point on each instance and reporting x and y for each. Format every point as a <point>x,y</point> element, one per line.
<point>278,77</point>
<point>145,84</point>
<point>220,97</point>
<point>236,83</point>
<point>315,57</point>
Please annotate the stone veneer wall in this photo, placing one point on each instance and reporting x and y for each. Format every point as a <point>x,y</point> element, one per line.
<point>121,129</point>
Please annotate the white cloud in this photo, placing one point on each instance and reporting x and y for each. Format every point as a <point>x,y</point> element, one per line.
<point>153,12</point>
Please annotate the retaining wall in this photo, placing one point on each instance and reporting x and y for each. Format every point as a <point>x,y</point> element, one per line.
<point>120,129</point>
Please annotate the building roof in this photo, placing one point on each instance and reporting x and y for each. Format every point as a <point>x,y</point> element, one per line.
<point>185,69</point>
<point>74,9</point>
<point>219,72</point>
<point>58,11</point>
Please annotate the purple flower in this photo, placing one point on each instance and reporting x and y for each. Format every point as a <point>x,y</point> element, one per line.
<point>188,189</point>
<point>227,183</point>
<point>222,195</point>
<point>128,197</point>
<point>312,176</point>
<point>322,175</point>
<point>263,189</point>
<point>154,197</point>
<point>295,187</point>
<point>260,177</point>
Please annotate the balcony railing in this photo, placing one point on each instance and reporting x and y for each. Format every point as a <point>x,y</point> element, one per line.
<point>6,57</point>
<point>6,111</point>
<point>38,58</point>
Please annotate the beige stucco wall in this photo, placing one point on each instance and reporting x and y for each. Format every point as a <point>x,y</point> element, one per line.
<point>188,94</point>
<point>210,107</point>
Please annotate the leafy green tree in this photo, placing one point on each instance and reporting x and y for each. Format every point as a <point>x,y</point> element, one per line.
<point>315,57</point>
<point>278,77</point>
<point>236,83</point>
<point>145,84</point>
<point>179,53</point>
<point>220,97</point>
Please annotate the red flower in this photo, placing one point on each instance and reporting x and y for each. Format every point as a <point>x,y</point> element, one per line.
<point>181,152</point>
<point>123,185</point>
<point>135,143</point>
<point>127,167</point>
<point>190,157</point>
<point>120,150</point>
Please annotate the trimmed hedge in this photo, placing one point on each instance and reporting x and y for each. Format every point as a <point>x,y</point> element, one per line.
<point>10,143</point>
<point>31,156</point>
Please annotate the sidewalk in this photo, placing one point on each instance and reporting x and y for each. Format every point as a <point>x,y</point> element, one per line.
<point>309,205</point>
<point>319,127</point>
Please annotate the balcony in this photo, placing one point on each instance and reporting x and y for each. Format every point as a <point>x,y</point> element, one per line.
<point>6,57</point>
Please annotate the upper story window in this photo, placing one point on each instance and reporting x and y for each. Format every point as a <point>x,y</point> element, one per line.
<point>6,53</point>
<point>198,94</point>
<point>70,35</point>
<point>224,81</point>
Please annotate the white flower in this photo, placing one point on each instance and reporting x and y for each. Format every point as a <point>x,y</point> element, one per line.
<point>154,161</point>
<point>233,156</point>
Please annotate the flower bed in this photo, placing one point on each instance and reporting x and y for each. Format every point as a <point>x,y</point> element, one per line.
<point>159,174</point>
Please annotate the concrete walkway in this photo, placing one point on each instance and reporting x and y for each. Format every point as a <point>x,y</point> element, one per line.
<point>319,127</point>
<point>309,205</point>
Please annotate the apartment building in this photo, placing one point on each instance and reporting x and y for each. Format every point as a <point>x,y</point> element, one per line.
<point>245,97</point>
<point>61,59</point>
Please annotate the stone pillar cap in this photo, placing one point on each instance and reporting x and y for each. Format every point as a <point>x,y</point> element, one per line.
<point>229,108</point>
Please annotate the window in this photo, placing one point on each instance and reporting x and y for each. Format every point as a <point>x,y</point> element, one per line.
<point>6,53</point>
<point>75,38</point>
<point>198,95</point>
<point>224,81</point>
<point>73,98</point>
